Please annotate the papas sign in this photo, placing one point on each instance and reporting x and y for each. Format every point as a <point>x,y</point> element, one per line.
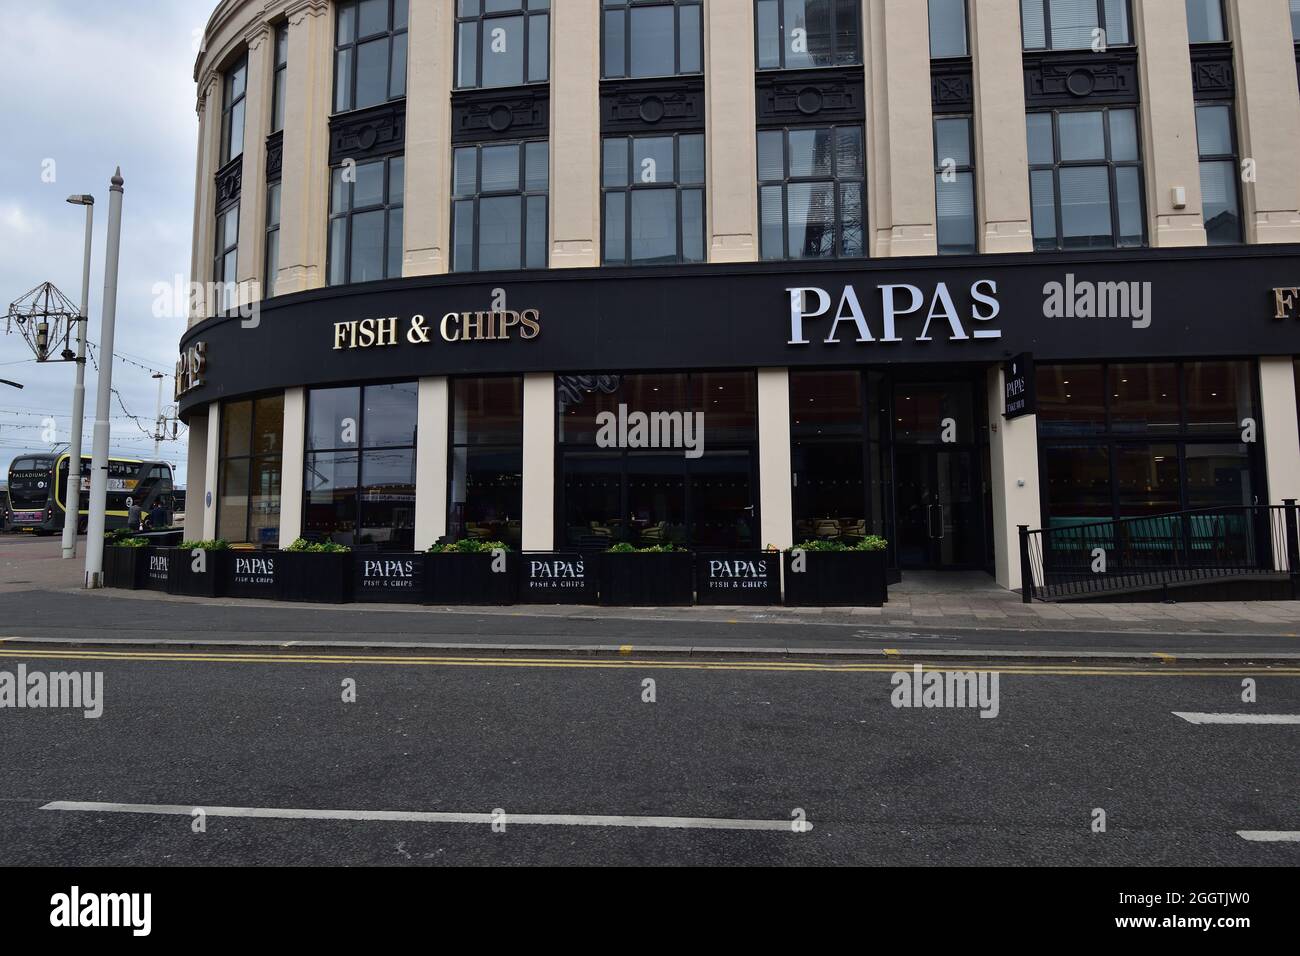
<point>1018,387</point>
<point>190,368</point>
<point>496,325</point>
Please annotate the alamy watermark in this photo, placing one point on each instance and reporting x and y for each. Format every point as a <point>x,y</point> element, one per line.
<point>37,690</point>
<point>953,689</point>
<point>628,429</point>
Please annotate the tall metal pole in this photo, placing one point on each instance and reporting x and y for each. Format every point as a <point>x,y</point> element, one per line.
<point>99,460</point>
<point>158,424</point>
<point>72,513</point>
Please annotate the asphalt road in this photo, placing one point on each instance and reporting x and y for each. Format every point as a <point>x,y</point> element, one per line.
<point>879,784</point>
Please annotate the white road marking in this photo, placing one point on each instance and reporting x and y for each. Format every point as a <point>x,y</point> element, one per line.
<point>409,816</point>
<point>1270,836</point>
<point>1193,718</point>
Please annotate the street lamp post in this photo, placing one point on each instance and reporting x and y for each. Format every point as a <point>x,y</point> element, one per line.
<point>103,393</point>
<point>72,513</point>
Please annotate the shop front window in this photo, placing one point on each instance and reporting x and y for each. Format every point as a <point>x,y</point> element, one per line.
<point>252,439</point>
<point>487,460</point>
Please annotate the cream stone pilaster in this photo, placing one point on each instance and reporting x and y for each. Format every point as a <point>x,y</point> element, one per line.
<point>196,470</point>
<point>434,408</point>
<point>900,130</point>
<point>575,133</point>
<point>539,462</point>
<point>260,40</point>
<point>1013,457</point>
<point>308,101</point>
<point>775,475</point>
<point>730,143</point>
<point>1277,394</point>
<point>293,447</point>
<point>205,190</point>
<point>427,218</point>
<point>1170,158</point>
<point>1268,118</point>
<point>207,508</point>
<point>1001,152</point>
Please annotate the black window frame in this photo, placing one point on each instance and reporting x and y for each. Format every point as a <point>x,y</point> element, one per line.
<point>230,100</point>
<point>271,262</point>
<point>856,59</point>
<point>523,192</point>
<point>787,179</point>
<point>625,7</point>
<point>226,285</point>
<point>352,8</point>
<point>1232,159</point>
<point>250,456</point>
<point>965,29</point>
<point>387,206</point>
<point>1047,47</point>
<point>959,168</point>
<point>1223,23</point>
<point>1110,164</point>
<point>454,523</point>
<point>279,75</point>
<point>627,189</point>
<point>523,8</point>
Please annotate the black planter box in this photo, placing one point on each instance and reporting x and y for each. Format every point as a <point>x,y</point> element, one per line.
<point>124,567</point>
<point>315,578</point>
<point>738,577</point>
<point>391,577</point>
<point>556,577</point>
<point>657,579</point>
<point>469,579</point>
<point>185,580</point>
<point>837,579</point>
<point>157,568</point>
<point>250,574</point>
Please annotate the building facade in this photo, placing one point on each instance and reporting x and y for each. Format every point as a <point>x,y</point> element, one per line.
<point>738,273</point>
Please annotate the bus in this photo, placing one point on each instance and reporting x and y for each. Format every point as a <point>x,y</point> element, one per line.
<point>38,486</point>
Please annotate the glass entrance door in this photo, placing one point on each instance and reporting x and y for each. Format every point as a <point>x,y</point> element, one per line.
<point>939,508</point>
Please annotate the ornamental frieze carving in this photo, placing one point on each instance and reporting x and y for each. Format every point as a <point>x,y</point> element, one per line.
<point>952,86</point>
<point>1213,76</point>
<point>1081,78</point>
<point>275,157</point>
<point>230,178</point>
<point>368,133</point>
<point>790,97</point>
<point>479,115</point>
<point>638,106</point>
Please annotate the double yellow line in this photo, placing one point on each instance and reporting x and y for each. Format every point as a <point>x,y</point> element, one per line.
<point>626,663</point>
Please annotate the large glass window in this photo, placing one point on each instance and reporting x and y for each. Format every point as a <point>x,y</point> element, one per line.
<point>499,206</point>
<point>654,198</point>
<point>252,440</point>
<point>799,34</point>
<point>369,53</point>
<point>659,458</point>
<point>1216,139</point>
<point>280,77</point>
<point>502,43</point>
<point>225,267</point>
<point>1074,24</point>
<point>1205,21</point>
<point>365,241</point>
<point>1085,177</point>
<point>234,90</point>
<point>954,185</point>
<point>359,473</point>
<point>1132,439</point>
<point>652,38</point>
<point>810,202</point>
<point>272,238</point>
<point>948,29</point>
<point>487,460</point>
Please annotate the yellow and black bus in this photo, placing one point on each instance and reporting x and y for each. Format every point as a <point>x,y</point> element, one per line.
<point>38,486</point>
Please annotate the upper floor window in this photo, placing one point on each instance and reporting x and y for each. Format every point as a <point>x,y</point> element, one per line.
<point>948,29</point>
<point>369,53</point>
<point>498,213</point>
<point>1085,177</point>
<point>1074,24</point>
<point>654,199</point>
<point>653,38</point>
<point>225,266</point>
<point>272,264</point>
<point>365,240</point>
<point>502,42</point>
<point>1295,20</point>
<point>1217,143</point>
<point>810,193</point>
<point>1205,21</point>
<point>798,34</point>
<point>281,77</point>
<point>234,89</point>
<point>954,185</point>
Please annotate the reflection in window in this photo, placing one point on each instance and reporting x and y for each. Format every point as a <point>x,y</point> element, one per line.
<point>502,43</point>
<point>1074,24</point>
<point>954,185</point>
<point>272,265</point>
<point>1085,179</point>
<point>947,28</point>
<point>280,77</point>
<point>252,438</point>
<point>234,90</point>
<point>487,460</point>
<point>369,53</point>
<point>654,199</point>
<point>365,239</point>
<point>1217,141</point>
<point>810,201</point>
<point>648,38</point>
<point>1205,21</point>
<point>499,206</point>
<point>800,34</point>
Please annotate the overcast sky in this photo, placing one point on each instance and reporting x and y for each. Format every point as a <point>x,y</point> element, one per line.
<point>86,86</point>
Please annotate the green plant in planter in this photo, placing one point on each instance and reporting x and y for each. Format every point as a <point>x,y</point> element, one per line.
<point>872,542</point>
<point>303,546</point>
<point>219,545</point>
<point>469,546</point>
<point>624,548</point>
<point>130,543</point>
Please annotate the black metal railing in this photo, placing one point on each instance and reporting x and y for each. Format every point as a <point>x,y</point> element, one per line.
<point>1081,558</point>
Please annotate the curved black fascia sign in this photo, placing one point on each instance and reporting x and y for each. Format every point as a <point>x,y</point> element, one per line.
<point>1140,304</point>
